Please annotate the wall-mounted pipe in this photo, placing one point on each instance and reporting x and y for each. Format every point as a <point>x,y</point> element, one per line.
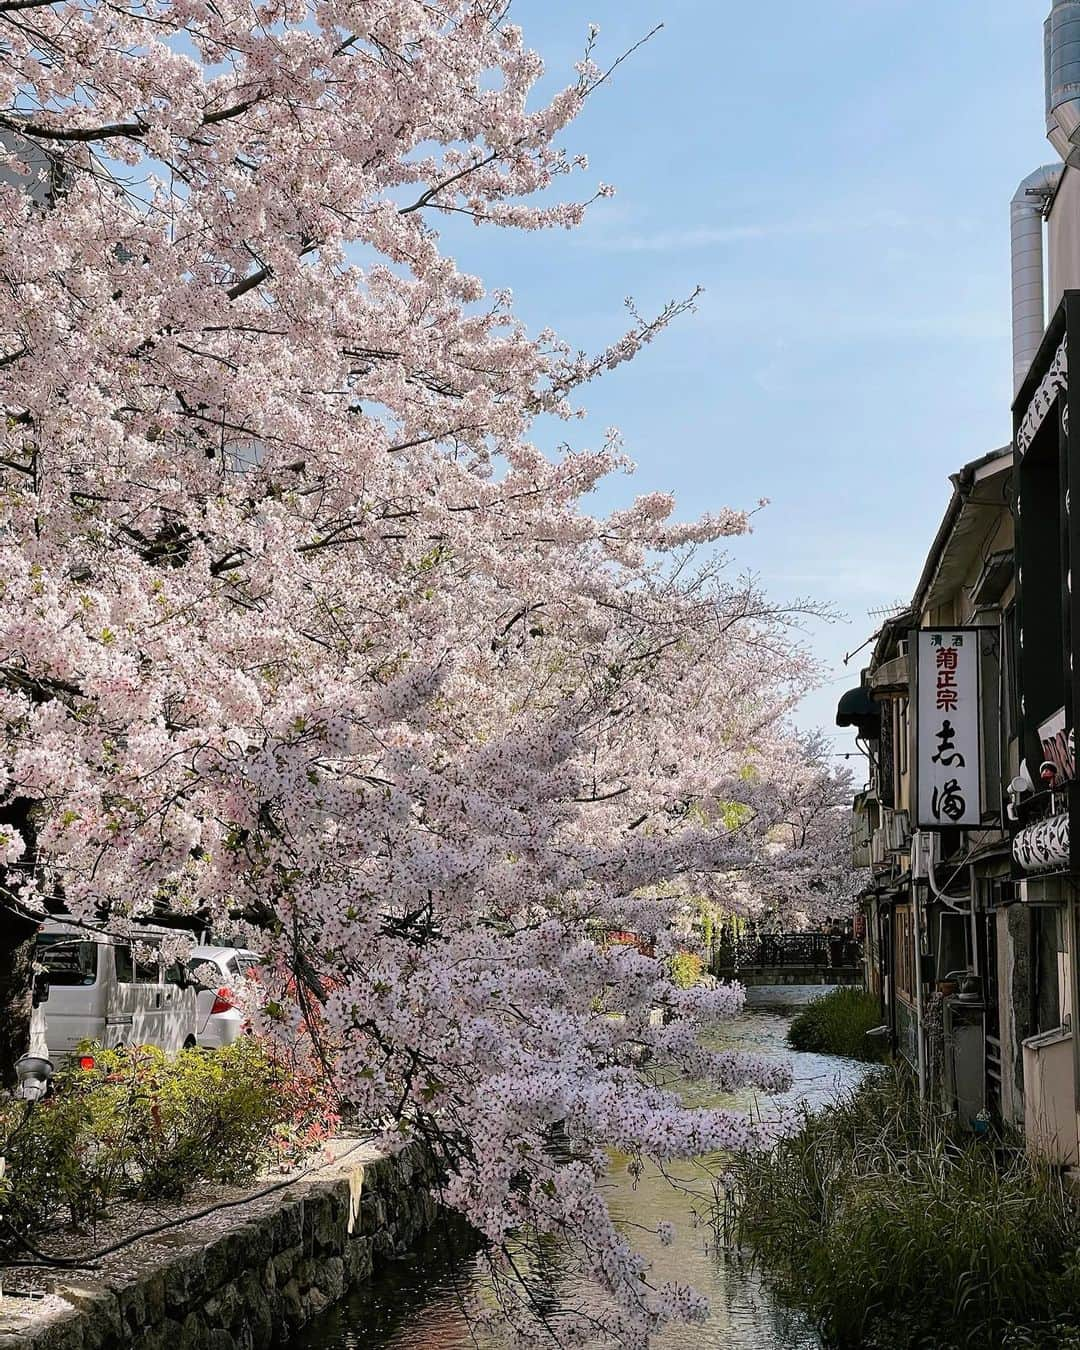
<point>1029,207</point>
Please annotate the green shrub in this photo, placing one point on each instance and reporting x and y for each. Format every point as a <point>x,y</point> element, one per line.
<point>897,1231</point>
<point>686,969</point>
<point>837,1023</point>
<point>164,1121</point>
<point>48,1169</point>
<point>142,1126</point>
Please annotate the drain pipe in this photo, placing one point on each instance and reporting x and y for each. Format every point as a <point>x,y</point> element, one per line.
<point>917,966</point>
<point>1029,207</point>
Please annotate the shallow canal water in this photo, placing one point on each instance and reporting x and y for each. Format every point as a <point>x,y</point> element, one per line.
<point>416,1303</point>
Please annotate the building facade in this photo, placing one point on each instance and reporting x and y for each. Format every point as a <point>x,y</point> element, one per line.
<point>970,820</point>
<point>937,941</point>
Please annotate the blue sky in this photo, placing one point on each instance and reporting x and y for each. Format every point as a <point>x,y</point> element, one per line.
<point>837,175</point>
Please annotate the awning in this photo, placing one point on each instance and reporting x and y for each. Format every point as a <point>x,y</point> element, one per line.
<point>897,892</point>
<point>857,709</point>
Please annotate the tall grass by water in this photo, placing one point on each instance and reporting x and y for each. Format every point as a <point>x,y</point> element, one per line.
<point>838,1023</point>
<point>897,1232</point>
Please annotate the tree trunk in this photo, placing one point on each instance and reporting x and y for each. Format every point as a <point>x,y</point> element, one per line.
<point>16,991</point>
<point>17,935</point>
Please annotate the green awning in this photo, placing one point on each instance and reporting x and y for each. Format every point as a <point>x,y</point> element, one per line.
<point>857,709</point>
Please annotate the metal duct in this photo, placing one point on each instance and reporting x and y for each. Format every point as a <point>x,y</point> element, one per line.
<point>1029,206</point>
<point>1054,134</point>
<point>1063,79</point>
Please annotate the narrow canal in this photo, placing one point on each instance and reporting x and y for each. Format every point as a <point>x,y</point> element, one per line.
<point>416,1304</point>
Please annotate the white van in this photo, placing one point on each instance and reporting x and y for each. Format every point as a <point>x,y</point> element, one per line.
<point>98,991</point>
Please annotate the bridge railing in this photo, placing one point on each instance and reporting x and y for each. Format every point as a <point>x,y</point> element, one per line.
<point>783,951</point>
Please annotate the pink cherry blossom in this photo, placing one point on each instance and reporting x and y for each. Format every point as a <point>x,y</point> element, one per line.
<point>302,633</point>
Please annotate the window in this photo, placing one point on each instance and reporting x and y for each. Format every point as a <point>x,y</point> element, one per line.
<point>954,945</point>
<point>134,972</point>
<point>148,971</point>
<point>206,965</point>
<point>997,892</point>
<point>69,961</point>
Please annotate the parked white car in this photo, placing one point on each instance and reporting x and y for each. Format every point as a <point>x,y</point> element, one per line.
<point>219,1021</point>
<point>100,990</point>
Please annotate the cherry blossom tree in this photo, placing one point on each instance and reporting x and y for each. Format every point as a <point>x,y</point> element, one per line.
<point>301,631</point>
<point>816,828</point>
<point>805,873</point>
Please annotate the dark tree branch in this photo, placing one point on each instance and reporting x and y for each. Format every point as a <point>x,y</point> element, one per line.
<point>425,199</point>
<point>136,130</point>
<point>10,6</point>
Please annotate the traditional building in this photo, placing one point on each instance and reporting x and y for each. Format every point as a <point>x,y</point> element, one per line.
<point>933,909</point>
<point>971,818</point>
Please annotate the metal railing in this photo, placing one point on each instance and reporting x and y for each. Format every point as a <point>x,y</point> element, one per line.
<point>780,951</point>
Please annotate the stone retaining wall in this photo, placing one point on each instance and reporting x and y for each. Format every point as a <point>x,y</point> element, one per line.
<point>244,1278</point>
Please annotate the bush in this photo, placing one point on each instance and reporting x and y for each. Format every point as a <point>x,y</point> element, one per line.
<point>837,1023</point>
<point>895,1230</point>
<point>142,1126</point>
<point>164,1121</point>
<point>47,1169</point>
<point>686,969</point>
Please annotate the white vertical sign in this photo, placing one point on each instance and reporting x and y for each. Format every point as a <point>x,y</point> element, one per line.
<point>948,727</point>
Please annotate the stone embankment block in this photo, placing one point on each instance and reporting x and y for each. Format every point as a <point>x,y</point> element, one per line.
<point>243,1278</point>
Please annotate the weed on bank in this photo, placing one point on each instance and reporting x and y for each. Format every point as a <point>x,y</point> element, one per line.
<point>896,1231</point>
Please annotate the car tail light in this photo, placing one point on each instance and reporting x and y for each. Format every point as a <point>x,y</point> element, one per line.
<point>223,1002</point>
<point>86,1062</point>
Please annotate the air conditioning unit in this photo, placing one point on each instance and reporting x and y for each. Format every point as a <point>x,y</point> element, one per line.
<point>898,828</point>
<point>925,853</point>
<point>863,824</point>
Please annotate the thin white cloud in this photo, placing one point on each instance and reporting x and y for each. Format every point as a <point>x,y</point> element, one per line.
<point>710,236</point>
<point>845,577</point>
<point>820,314</point>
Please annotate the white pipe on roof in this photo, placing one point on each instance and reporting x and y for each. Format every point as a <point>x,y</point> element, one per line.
<point>1028,211</point>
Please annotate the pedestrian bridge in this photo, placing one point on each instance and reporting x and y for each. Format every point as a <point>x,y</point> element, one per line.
<point>783,959</point>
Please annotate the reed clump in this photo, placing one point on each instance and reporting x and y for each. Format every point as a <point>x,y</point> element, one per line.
<point>838,1023</point>
<point>898,1232</point>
